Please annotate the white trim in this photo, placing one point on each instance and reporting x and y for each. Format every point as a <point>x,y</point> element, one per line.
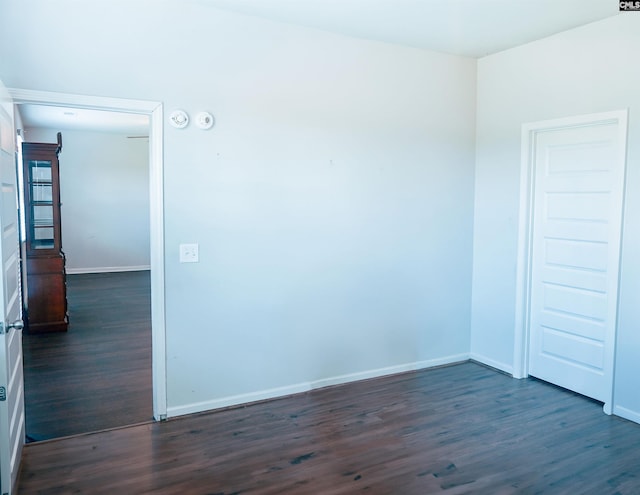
<point>297,388</point>
<point>521,337</point>
<point>156,203</point>
<point>28,96</point>
<point>625,413</point>
<point>507,368</point>
<point>527,194</point>
<point>156,190</point>
<point>107,269</point>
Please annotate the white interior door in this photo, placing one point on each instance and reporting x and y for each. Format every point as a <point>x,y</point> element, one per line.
<point>578,183</point>
<point>12,419</point>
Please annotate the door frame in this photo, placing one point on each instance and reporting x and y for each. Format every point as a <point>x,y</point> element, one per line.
<point>154,110</point>
<point>525,229</point>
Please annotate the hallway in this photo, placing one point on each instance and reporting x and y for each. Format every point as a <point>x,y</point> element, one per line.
<point>98,374</point>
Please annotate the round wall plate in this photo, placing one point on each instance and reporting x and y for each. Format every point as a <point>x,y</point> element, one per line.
<point>179,119</point>
<point>204,120</point>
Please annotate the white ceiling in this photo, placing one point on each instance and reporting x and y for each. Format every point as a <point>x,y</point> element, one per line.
<point>471,28</point>
<point>64,119</point>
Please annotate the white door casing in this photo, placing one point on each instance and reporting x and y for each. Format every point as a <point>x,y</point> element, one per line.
<point>570,237</point>
<point>12,415</point>
<point>156,202</point>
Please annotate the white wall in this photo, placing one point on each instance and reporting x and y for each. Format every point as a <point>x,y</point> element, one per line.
<point>332,201</point>
<point>104,190</point>
<point>590,69</point>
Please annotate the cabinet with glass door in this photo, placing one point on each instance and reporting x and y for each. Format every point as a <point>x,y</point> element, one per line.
<point>45,301</point>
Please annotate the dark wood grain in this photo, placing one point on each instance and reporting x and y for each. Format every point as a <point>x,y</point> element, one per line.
<point>462,429</point>
<point>45,300</point>
<point>98,374</point>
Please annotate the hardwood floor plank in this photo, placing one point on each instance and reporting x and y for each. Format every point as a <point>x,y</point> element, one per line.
<point>462,429</point>
<point>98,374</point>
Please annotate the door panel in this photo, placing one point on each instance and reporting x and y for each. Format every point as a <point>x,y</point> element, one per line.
<point>577,214</point>
<point>12,418</point>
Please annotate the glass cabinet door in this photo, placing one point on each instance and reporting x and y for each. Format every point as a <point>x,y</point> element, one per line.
<point>41,189</point>
<point>44,273</point>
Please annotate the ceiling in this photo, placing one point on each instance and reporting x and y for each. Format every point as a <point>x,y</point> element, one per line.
<point>470,28</point>
<point>64,119</point>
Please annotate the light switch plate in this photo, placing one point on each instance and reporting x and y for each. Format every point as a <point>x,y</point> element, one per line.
<point>189,253</point>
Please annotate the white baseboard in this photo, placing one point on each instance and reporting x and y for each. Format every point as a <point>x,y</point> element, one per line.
<point>507,368</point>
<point>107,269</point>
<point>273,393</point>
<point>625,413</point>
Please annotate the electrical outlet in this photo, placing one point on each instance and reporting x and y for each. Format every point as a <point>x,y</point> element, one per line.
<point>188,253</point>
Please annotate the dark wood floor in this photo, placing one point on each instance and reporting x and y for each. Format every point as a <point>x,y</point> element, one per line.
<point>98,374</point>
<point>462,429</point>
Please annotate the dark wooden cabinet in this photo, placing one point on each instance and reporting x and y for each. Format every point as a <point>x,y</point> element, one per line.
<point>45,299</point>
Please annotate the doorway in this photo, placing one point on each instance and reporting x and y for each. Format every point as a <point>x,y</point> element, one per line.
<point>97,375</point>
<point>156,278</point>
<point>572,189</point>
